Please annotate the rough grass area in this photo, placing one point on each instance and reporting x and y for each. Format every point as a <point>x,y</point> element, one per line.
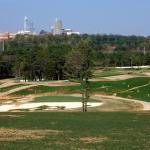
<point>60,99</point>
<point>75,131</point>
<point>135,70</point>
<point>142,93</point>
<point>107,72</point>
<point>8,88</point>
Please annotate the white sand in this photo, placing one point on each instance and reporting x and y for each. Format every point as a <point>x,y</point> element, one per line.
<point>52,105</point>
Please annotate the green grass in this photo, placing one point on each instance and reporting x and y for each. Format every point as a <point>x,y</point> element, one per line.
<point>8,88</point>
<point>45,89</point>
<point>142,93</point>
<point>111,87</point>
<point>60,99</point>
<point>138,70</point>
<point>89,131</point>
<point>118,71</point>
<point>107,72</point>
<point>108,87</point>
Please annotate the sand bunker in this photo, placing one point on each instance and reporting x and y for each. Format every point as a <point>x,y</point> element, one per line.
<point>48,106</point>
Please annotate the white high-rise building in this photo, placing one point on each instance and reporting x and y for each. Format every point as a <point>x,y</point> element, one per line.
<point>28,26</point>
<point>57,27</point>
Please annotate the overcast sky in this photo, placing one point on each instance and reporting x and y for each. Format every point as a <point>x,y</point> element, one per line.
<point>126,17</point>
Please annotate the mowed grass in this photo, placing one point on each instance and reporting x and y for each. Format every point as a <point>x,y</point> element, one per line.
<point>105,87</point>
<point>44,89</point>
<point>75,131</point>
<point>60,99</point>
<point>112,87</point>
<point>8,88</point>
<point>142,93</point>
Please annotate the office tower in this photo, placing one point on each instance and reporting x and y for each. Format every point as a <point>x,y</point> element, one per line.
<point>57,27</point>
<point>28,25</point>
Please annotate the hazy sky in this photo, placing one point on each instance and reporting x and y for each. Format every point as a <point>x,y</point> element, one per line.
<point>87,16</point>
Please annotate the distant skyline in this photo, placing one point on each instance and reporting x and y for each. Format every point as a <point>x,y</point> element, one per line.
<point>125,17</point>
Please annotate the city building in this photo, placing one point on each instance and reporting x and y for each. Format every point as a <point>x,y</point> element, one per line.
<point>7,35</point>
<point>70,32</point>
<point>57,29</point>
<point>28,27</point>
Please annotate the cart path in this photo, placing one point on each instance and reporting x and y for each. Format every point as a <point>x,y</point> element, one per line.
<point>15,90</point>
<point>137,87</point>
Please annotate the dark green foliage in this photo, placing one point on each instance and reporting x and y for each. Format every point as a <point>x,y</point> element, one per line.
<point>79,64</point>
<point>43,56</point>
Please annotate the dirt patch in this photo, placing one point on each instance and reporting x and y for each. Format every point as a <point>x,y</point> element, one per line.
<point>13,134</point>
<point>130,104</point>
<point>104,87</point>
<point>144,113</point>
<point>135,106</point>
<point>13,116</point>
<point>5,97</point>
<point>120,77</point>
<point>92,140</point>
<point>147,74</point>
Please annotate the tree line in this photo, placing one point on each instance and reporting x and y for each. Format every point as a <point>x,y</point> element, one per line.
<point>46,56</point>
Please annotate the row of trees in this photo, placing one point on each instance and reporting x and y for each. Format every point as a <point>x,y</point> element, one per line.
<point>45,56</point>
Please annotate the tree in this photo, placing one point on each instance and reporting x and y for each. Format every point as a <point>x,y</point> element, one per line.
<point>79,63</point>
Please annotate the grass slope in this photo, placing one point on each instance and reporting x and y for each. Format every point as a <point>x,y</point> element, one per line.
<point>107,72</point>
<point>142,93</point>
<point>70,131</point>
<point>60,99</point>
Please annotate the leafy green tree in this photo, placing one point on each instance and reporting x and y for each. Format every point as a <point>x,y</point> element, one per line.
<point>79,63</point>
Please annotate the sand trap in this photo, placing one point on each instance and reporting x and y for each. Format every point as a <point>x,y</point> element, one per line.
<point>51,105</point>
